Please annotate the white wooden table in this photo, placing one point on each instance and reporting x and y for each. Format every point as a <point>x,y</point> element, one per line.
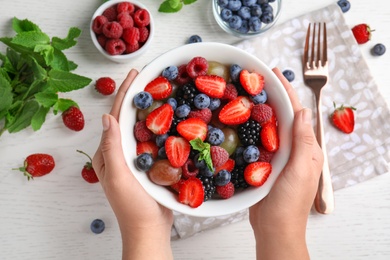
<point>49,218</point>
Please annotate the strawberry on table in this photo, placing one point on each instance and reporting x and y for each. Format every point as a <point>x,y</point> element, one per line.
<point>73,119</point>
<point>257,173</point>
<point>159,88</point>
<point>37,165</point>
<point>212,85</point>
<point>362,33</point>
<point>252,82</point>
<point>343,118</point>
<point>159,120</point>
<point>177,150</point>
<point>192,128</point>
<point>191,192</point>
<point>88,173</point>
<point>236,111</point>
<point>105,86</point>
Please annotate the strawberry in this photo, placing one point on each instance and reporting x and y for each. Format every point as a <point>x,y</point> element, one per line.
<point>256,173</point>
<point>73,118</point>
<point>159,88</point>
<point>205,114</point>
<point>269,137</point>
<point>191,192</point>
<point>252,82</point>
<point>228,165</point>
<point>343,118</point>
<point>236,111</point>
<point>159,120</point>
<point>147,147</point>
<point>192,128</point>
<point>142,132</point>
<point>37,165</point>
<point>177,150</point>
<point>88,173</point>
<point>230,93</point>
<point>225,191</point>
<point>212,85</point>
<point>362,33</point>
<point>105,86</point>
<point>219,155</point>
<point>263,113</point>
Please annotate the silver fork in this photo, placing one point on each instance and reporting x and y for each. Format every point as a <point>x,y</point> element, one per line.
<point>315,74</point>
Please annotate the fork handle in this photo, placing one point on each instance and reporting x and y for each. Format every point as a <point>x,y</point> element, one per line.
<point>324,200</point>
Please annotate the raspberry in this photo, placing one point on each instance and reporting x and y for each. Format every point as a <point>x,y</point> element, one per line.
<point>98,22</point>
<point>131,35</point>
<point>125,7</point>
<point>105,86</point>
<point>115,46</point>
<point>141,17</point>
<point>204,114</point>
<point>125,20</point>
<point>198,66</point>
<point>102,40</point>
<point>225,191</point>
<point>73,118</point>
<point>112,30</point>
<point>189,169</point>
<point>110,13</point>
<point>265,155</point>
<point>262,113</point>
<point>141,132</point>
<point>132,48</point>
<point>219,156</point>
<point>143,34</point>
<point>230,93</point>
<point>182,77</point>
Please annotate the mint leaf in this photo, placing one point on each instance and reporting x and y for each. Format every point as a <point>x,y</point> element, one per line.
<point>63,105</point>
<point>25,25</point>
<point>204,151</point>
<point>166,7</point>
<point>46,99</point>
<point>39,118</point>
<point>188,2</point>
<point>67,42</point>
<point>46,51</point>
<point>23,118</point>
<point>5,96</point>
<point>174,3</point>
<point>31,39</point>
<point>63,81</point>
<point>60,62</point>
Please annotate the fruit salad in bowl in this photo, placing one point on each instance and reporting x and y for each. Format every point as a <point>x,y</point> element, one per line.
<point>206,129</point>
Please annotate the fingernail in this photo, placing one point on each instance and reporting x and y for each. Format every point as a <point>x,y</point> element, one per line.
<point>306,115</point>
<point>105,122</point>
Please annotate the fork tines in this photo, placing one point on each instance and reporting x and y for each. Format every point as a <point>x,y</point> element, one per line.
<point>312,57</point>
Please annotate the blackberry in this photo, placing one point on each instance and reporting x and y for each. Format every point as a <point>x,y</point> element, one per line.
<point>249,132</point>
<point>238,177</point>
<point>186,94</point>
<point>208,186</point>
<point>176,120</point>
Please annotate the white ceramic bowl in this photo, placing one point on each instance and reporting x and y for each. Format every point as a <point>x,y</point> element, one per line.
<point>123,58</point>
<point>225,54</point>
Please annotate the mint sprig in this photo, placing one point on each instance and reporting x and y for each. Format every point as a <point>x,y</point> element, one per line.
<point>204,151</point>
<point>174,6</point>
<point>33,72</point>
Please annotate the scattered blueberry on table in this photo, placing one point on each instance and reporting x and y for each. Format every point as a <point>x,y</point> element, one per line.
<point>97,226</point>
<point>289,75</point>
<point>194,39</point>
<point>378,50</point>
<point>345,5</point>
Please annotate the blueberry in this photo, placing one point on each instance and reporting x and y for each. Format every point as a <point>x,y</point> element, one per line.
<point>172,102</point>
<point>205,171</point>
<point>201,101</point>
<point>194,39</point>
<point>289,75</point>
<point>378,50</point>
<point>267,17</point>
<point>200,164</point>
<point>215,136</point>
<point>162,154</point>
<point>244,27</point>
<point>267,8</point>
<point>182,111</point>
<point>260,2</point>
<point>260,98</point>
<point>238,157</point>
<point>244,12</point>
<point>234,5</point>
<point>248,2</point>
<point>144,161</point>
<point>235,71</point>
<point>254,24</point>
<point>222,177</point>
<point>214,103</point>
<point>226,14</point>
<point>251,154</point>
<point>97,226</point>
<point>170,72</point>
<point>256,11</point>
<point>223,3</point>
<point>160,139</point>
<point>143,100</point>
<point>345,5</point>
<point>235,22</point>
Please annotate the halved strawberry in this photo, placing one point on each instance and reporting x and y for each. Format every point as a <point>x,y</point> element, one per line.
<point>269,137</point>
<point>191,192</point>
<point>192,128</point>
<point>343,118</point>
<point>228,165</point>
<point>256,173</point>
<point>159,120</point>
<point>147,147</point>
<point>211,85</point>
<point>236,111</point>
<point>252,82</point>
<point>177,150</point>
<point>159,88</point>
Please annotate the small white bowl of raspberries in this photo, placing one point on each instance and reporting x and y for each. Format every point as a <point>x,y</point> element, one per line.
<point>122,30</point>
<point>206,129</point>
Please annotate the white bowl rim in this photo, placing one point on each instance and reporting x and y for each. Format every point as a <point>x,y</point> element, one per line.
<point>211,51</point>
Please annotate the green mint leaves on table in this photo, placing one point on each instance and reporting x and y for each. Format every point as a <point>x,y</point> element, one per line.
<point>34,70</point>
<point>204,151</point>
<point>173,6</point>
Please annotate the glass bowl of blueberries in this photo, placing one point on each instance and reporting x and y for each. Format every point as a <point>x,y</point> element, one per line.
<point>246,18</point>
